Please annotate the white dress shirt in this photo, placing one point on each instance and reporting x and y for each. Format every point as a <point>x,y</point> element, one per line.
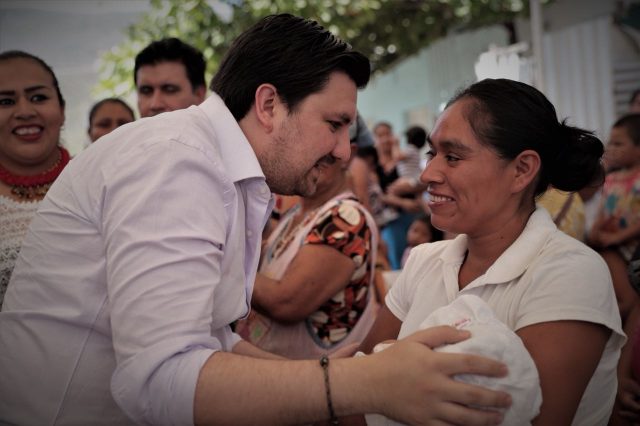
<point>142,253</point>
<point>545,275</point>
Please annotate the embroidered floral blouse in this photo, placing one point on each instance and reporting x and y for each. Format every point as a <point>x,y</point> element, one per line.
<point>15,218</point>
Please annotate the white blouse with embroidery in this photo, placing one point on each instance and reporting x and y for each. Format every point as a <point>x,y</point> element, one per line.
<point>15,218</point>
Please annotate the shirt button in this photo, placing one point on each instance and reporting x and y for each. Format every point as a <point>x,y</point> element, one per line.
<point>250,234</point>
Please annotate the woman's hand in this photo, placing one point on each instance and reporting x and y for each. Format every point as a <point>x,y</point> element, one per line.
<point>628,395</point>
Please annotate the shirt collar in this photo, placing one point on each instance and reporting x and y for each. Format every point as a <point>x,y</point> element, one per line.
<point>517,257</point>
<point>236,151</point>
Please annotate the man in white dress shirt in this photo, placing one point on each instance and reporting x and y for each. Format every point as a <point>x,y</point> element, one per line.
<point>146,249</point>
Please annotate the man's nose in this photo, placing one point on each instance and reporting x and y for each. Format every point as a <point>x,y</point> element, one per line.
<point>343,147</point>
<point>157,102</point>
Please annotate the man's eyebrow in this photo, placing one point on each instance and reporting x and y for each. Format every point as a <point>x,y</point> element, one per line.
<point>7,92</point>
<point>344,118</point>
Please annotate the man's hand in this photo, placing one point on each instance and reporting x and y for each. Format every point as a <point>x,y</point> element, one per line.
<point>425,392</point>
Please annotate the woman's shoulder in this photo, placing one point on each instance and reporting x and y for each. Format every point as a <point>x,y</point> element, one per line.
<point>345,203</point>
<point>566,256</point>
<point>564,246</point>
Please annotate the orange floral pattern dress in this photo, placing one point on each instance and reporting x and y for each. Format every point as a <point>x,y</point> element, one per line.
<point>341,223</point>
<point>345,229</point>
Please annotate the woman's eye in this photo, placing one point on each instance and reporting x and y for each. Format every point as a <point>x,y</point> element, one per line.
<point>39,98</point>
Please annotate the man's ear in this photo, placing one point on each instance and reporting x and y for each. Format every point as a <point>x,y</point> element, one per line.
<point>527,165</point>
<point>201,93</point>
<point>266,100</point>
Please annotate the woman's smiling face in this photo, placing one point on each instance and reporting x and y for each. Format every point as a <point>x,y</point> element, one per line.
<point>469,184</point>
<point>30,116</point>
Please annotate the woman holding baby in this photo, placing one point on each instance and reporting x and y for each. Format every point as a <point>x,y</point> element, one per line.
<point>496,147</point>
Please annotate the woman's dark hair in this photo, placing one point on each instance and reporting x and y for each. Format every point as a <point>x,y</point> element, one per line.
<point>173,50</point>
<point>97,105</point>
<point>18,54</point>
<point>631,123</point>
<point>511,117</point>
<point>294,54</point>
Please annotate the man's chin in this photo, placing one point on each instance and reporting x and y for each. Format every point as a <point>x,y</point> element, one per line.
<point>306,187</point>
<point>306,191</point>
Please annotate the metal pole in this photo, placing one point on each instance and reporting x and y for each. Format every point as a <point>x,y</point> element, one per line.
<point>536,38</point>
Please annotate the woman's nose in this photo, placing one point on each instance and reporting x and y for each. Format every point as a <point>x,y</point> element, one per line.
<point>24,109</point>
<point>432,172</point>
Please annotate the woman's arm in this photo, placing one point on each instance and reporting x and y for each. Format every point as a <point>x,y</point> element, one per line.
<point>386,327</point>
<point>359,173</point>
<point>620,235</point>
<point>411,205</point>
<point>566,354</point>
<point>316,274</point>
<point>626,410</point>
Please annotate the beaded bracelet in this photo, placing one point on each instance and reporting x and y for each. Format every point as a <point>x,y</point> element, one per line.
<point>324,363</point>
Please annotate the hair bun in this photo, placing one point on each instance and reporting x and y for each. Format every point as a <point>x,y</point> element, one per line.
<point>577,161</point>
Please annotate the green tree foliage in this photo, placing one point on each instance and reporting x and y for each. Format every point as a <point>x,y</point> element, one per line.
<point>384,30</point>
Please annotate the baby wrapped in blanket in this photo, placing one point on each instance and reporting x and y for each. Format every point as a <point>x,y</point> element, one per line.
<point>493,339</point>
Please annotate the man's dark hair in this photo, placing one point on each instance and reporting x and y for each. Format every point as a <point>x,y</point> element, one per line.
<point>294,54</point>
<point>173,50</point>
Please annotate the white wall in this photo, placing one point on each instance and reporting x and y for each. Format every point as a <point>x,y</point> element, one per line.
<point>70,36</point>
<point>581,50</point>
<point>413,91</point>
<point>578,74</point>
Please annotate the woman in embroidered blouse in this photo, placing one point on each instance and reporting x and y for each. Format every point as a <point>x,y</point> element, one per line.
<point>31,157</point>
<point>313,293</point>
<point>495,148</point>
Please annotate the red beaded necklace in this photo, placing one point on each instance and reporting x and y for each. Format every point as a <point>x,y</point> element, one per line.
<point>36,186</point>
